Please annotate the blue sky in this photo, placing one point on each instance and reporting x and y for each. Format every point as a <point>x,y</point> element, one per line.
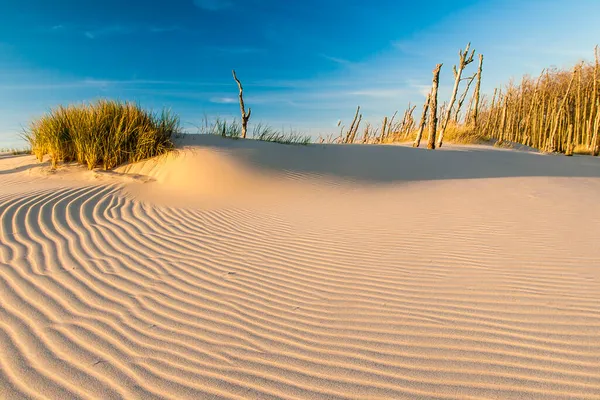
<point>304,64</point>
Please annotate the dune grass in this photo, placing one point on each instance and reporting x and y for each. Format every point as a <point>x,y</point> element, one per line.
<point>233,130</point>
<point>464,134</point>
<point>106,133</point>
<point>220,127</point>
<point>556,112</point>
<point>14,151</point>
<point>266,133</point>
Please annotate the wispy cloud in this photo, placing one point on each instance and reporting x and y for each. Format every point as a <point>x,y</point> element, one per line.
<point>419,87</point>
<point>223,100</point>
<point>213,5</point>
<point>336,60</point>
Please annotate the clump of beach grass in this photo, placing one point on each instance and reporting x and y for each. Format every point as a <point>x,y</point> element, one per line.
<point>13,151</point>
<point>220,127</point>
<point>106,133</point>
<point>266,133</point>
<point>464,134</point>
<point>263,132</point>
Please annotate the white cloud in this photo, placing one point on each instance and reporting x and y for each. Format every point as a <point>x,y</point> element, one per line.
<point>336,60</point>
<point>223,100</point>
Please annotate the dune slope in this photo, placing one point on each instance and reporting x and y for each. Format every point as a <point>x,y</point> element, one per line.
<point>238,270</point>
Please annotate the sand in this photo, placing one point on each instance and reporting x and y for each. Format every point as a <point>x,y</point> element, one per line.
<point>248,270</point>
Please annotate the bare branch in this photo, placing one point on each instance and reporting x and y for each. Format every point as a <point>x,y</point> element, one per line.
<point>433,105</point>
<point>245,117</point>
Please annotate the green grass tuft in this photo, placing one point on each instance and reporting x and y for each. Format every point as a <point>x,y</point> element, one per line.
<point>268,134</point>
<point>106,133</point>
<point>221,127</point>
<point>260,131</point>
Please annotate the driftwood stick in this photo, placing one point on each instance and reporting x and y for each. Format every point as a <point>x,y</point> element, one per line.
<point>476,94</point>
<point>462,98</point>
<point>245,116</point>
<point>417,141</point>
<point>433,106</point>
<point>464,60</point>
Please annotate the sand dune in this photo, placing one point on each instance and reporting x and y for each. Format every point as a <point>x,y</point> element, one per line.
<point>248,270</point>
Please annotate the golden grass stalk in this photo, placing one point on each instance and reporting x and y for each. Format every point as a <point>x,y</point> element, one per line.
<point>106,133</point>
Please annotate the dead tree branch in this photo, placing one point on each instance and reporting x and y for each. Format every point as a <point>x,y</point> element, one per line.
<point>417,141</point>
<point>464,59</point>
<point>245,116</point>
<point>469,80</point>
<point>433,105</point>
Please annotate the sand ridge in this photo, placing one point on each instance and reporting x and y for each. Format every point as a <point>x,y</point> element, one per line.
<point>239,269</point>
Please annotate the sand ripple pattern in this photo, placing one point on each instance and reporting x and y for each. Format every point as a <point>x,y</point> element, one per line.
<point>105,297</point>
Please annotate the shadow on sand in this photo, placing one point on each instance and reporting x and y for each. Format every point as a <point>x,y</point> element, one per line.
<point>386,164</point>
<point>20,168</point>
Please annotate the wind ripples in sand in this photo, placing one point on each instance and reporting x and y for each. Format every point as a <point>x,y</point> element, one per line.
<point>105,296</point>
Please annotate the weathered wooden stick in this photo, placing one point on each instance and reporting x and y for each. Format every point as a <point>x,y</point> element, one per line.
<point>245,116</point>
<point>383,130</point>
<point>596,136</point>
<point>552,144</point>
<point>490,121</point>
<point>578,103</point>
<point>353,132</point>
<point>366,134</point>
<point>417,141</point>
<point>569,147</point>
<point>407,123</point>
<point>476,94</point>
<point>349,133</point>
<point>595,101</point>
<point>502,134</point>
<point>389,131</point>
<point>533,103</point>
<point>464,60</point>
<point>433,106</point>
<point>463,97</point>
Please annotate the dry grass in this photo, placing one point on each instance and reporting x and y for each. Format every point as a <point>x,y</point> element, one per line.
<point>267,134</point>
<point>463,134</point>
<point>557,112</point>
<point>260,131</point>
<point>15,152</point>
<point>457,133</point>
<point>582,149</point>
<point>106,133</point>
<point>221,127</point>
